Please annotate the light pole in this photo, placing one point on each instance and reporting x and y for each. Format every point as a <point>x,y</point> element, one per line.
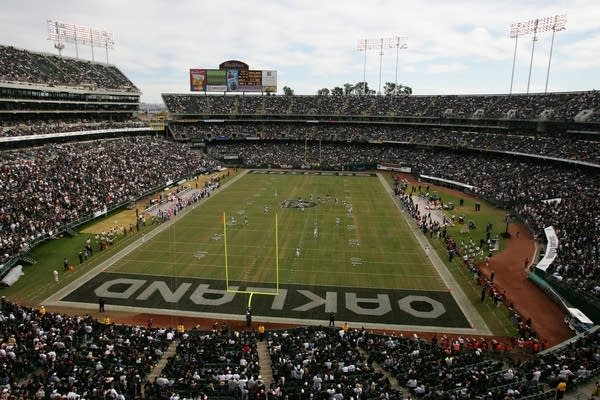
<point>400,44</point>
<point>560,24</point>
<point>377,44</point>
<point>535,26</point>
<point>62,32</point>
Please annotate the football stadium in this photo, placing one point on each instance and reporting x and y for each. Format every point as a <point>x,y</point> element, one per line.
<point>241,242</point>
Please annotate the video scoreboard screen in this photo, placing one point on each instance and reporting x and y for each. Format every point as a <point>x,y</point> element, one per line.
<point>232,80</point>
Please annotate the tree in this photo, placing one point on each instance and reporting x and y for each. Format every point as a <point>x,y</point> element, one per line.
<point>323,92</point>
<point>362,88</point>
<point>391,89</point>
<point>348,89</point>
<point>337,91</point>
<point>405,90</point>
<point>287,91</point>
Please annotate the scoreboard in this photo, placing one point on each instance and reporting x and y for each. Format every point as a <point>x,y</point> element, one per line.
<point>232,76</point>
<point>250,80</point>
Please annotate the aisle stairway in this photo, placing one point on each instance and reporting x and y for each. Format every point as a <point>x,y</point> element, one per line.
<point>264,360</point>
<point>157,370</point>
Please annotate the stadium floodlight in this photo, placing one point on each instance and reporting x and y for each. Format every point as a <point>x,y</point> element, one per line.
<point>559,24</point>
<point>535,26</point>
<point>62,32</point>
<point>379,44</point>
<point>401,43</point>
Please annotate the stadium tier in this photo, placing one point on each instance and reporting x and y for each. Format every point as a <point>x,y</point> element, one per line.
<point>584,106</point>
<point>43,94</point>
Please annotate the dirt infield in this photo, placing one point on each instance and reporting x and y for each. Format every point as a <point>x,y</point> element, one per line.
<point>529,300</point>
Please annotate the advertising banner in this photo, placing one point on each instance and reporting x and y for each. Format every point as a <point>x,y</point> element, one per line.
<point>551,249</point>
<point>269,81</point>
<point>215,80</point>
<point>232,80</point>
<point>197,80</point>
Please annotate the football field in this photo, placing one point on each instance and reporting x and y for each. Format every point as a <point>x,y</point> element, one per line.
<point>294,246</point>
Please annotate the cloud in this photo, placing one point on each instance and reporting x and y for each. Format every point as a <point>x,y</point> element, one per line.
<point>314,44</point>
<point>444,68</point>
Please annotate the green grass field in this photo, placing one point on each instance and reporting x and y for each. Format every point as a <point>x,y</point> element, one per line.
<point>371,248</point>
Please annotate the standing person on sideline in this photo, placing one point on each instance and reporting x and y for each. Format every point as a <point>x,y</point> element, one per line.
<point>65,264</point>
<point>55,273</point>
<point>100,304</point>
<point>331,320</point>
<point>248,317</point>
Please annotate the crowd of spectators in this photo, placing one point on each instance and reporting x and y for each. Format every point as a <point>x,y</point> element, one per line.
<point>48,355</point>
<point>42,189</point>
<point>461,367</point>
<point>520,184</point>
<point>184,131</point>
<point>554,106</point>
<point>318,362</point>
<point>46,69</point>
<point>54,356</point>
<point>223,362</point>
<point>578,147</point>
<point>9,128</point>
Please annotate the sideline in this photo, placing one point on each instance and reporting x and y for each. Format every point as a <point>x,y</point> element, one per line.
<point>54,299</point>
<point>478,324</point>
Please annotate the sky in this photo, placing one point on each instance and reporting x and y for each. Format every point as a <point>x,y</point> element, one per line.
<point>453,46</point>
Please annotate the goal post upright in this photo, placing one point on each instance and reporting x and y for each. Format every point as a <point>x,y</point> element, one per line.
<point>276,255</point>
<point>251,293</point>
<point>225,246</point>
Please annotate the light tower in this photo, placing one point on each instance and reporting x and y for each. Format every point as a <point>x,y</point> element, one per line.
<point>380,44</point>
<point>62,32</point>
<point>400,44</point>
<point>559,24</point>
<point>535,26</point>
